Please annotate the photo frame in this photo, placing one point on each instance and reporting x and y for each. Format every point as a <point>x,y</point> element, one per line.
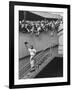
<point>51,60</point>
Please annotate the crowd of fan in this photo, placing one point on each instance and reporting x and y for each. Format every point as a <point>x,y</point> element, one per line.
<point>39,26</point>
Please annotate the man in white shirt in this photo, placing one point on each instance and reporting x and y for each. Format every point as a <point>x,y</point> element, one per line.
<point>32,52</point>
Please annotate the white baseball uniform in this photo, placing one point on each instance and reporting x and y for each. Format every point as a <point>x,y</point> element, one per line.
<point>32,54</point>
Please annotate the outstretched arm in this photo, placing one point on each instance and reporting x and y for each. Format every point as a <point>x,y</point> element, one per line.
<point>34,51</point>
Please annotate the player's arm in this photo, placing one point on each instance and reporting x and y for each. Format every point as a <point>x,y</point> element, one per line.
<point>34,51</point>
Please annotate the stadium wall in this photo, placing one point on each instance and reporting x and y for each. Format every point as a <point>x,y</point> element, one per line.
<point>42,42</point>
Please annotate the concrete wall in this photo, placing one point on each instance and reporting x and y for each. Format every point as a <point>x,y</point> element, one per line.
<point>44,41</point>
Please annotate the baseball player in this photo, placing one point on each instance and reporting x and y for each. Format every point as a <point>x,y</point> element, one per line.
<point>32,52</point>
